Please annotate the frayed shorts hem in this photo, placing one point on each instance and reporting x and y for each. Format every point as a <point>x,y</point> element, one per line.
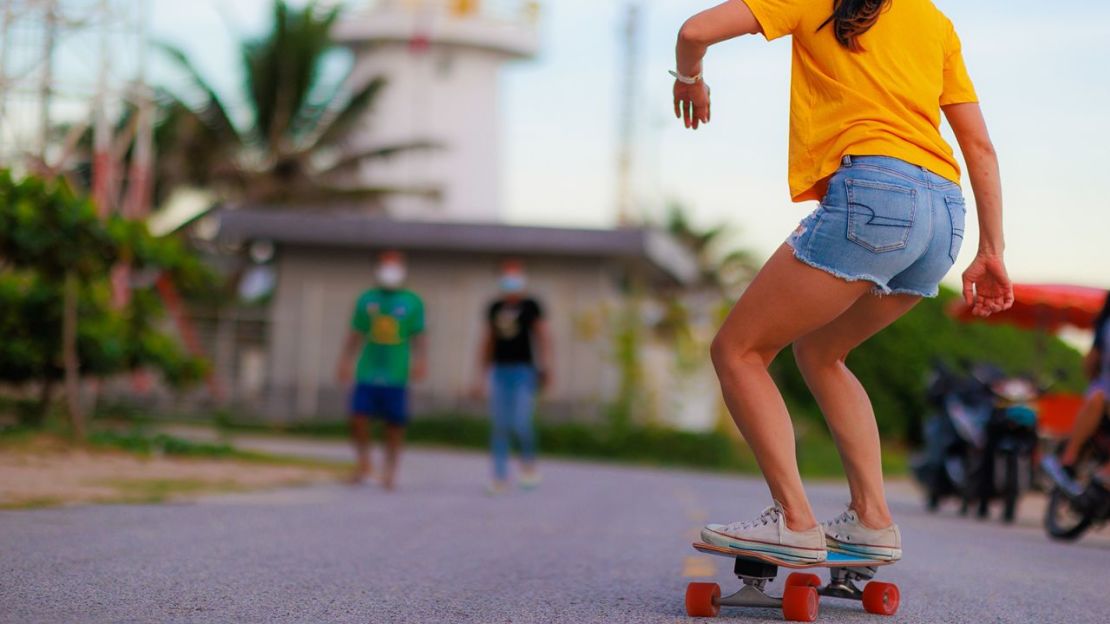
<point>880,289</point>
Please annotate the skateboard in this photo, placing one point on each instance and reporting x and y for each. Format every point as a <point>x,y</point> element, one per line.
<point>799,600</point>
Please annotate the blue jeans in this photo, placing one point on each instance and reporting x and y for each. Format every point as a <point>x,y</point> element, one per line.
<point>885,221</point>
<point>512,399</point>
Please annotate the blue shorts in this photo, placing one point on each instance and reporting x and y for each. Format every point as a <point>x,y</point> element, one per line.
<point>387,403</point>
<point>885,221</point>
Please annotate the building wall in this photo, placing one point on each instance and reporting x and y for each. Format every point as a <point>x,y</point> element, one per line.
<point>447,96</point>
<point>448,93</point>
<point>317,289</point>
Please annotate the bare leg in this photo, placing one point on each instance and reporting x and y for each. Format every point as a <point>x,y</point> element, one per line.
<point>394,441</point>
<point>360,434</point>
<point>788,299</point>
<point>844,402</point>
<point>1086,422</point>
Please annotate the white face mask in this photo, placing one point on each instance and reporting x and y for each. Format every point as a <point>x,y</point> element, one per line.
<point>512,283</point>
<point>391,275</point>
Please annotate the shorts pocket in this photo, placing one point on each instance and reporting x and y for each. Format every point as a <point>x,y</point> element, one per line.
<point>880,214</point>
<point>957,212</point>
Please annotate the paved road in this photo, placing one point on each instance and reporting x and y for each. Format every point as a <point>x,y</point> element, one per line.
<point>594,544</point>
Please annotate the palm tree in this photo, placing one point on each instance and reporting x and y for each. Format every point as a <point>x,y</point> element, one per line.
<point>726,271</point>
<point>291,146</point>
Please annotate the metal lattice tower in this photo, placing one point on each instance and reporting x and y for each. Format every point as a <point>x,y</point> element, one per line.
<point>67,66</point>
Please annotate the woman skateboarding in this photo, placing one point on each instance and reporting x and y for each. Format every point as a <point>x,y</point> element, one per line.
<point>870,79</point>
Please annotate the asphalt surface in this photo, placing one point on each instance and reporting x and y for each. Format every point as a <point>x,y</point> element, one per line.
<point>595,543</point>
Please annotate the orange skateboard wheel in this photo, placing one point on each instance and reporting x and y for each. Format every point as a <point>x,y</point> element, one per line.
<point>803,579</point>
<point>703,599</point>
<point>881,598</point>
<point>799,603</point>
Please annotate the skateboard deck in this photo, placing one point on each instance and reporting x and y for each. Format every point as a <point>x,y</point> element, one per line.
<point>834,560</point>
<point>802,591</point>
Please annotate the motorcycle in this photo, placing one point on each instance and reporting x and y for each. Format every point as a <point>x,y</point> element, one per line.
<point>1076,502</point>
<point>980,440</point>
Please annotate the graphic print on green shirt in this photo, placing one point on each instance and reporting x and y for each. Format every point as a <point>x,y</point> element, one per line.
<point>388,319</point>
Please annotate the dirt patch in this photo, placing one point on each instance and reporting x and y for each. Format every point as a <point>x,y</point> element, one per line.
<point>46,472</point>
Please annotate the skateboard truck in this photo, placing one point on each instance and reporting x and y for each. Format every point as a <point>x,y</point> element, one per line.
<point>755,575</point>
<point>842,582</point>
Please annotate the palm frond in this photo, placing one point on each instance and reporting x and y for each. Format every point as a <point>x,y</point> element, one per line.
<point>324,196</point>
<point>350,113</point>
<point>350,160</point>
<point>214,113</point>
<point>283,68</point>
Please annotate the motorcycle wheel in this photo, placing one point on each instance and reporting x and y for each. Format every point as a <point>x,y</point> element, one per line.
<point>1061,521</point>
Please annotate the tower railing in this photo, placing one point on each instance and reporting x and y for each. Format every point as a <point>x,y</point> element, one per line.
<point>524,12</point>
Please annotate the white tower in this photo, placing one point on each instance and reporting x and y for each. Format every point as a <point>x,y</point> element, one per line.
<point>441,59</point>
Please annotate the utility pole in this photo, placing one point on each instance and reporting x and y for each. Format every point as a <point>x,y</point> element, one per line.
<point>627,126</point>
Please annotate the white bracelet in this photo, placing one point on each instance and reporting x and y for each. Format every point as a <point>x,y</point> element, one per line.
<point>690,80</point>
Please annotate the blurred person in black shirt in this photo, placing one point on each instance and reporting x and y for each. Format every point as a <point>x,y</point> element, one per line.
<point>514,362</point>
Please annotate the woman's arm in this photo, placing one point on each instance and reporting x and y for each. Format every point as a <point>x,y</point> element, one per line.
<point>345,368</point>
<point>545,360</point>
<point>724,21</point>
<point>485,359</point>
<point>987,287</point>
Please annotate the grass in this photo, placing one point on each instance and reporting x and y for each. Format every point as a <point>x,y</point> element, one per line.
<point>654,446</point>
<point>147,491</point>
<point>32,503</point>
<point>135,488</point>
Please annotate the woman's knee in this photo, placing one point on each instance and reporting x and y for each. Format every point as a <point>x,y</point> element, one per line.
<point>729,351</point>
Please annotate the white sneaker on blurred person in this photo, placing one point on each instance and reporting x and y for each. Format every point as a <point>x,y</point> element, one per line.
<point>769,534</point>
<point>497,488</point>
<point>529,480</point>
<point>845,534</point>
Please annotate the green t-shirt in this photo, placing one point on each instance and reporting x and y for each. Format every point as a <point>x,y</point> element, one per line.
<point>388,319</point>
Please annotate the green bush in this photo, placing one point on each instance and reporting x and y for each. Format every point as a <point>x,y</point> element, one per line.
<point>658,446</point>
<point>57,254</point>
<point>894,365</point>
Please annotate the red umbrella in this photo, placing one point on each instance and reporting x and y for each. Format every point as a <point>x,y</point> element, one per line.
<point>1045,306</point>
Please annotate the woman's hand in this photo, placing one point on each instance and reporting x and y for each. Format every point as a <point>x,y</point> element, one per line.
<point>987,287</point>
<point>691,103</point>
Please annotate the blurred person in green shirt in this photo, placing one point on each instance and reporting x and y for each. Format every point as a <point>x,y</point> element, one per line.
<point>387,335</point>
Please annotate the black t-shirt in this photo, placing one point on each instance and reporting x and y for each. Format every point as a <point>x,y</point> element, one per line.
<point>512,325</point>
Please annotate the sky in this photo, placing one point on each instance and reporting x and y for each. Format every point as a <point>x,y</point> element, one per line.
<point>1042,71</point>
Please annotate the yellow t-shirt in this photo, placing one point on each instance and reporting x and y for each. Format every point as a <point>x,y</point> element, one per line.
<point>883,101</point>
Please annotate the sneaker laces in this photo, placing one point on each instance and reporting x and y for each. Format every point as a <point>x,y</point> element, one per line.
<point>769,516</point>
<point>846,517</point>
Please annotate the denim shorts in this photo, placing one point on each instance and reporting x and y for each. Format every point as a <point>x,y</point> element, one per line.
<point>885,221</point>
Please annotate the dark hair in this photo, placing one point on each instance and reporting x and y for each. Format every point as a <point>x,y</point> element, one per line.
<point>852,18</point>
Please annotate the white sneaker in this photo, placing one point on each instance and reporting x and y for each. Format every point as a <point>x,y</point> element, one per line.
<point>768,533</point>
<point>529,480</point>
<point>497,488</point>
<point>845,534</point>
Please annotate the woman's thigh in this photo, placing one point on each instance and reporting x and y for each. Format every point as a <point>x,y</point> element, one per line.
<point>786,300</point>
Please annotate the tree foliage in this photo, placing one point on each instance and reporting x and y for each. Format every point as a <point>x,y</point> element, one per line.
<point>894,365</point>
<point>48,236</point>
<point>724,268</point>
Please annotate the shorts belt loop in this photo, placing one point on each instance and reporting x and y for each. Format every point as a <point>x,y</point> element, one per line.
<point>846,160</point>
